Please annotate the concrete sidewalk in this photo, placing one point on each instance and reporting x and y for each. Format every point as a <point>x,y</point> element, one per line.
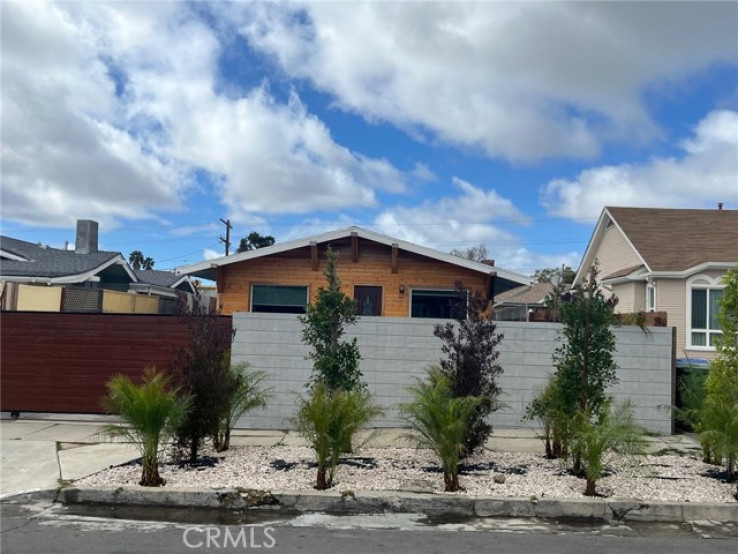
<point>42,451</point>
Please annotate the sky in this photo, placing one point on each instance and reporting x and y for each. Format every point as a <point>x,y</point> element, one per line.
<point>448,124</point>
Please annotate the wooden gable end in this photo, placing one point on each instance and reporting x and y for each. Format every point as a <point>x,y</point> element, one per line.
<point>361,262</point>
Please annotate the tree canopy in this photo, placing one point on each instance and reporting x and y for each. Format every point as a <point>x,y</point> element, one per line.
<point>473,253</point>
<point>544,275</point>
<point>253,241</point>
<point>139,261</point>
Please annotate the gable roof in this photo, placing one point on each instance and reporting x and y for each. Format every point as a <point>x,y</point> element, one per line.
<point>28,261</point>
<point>527,294</point>
<point>206,269</point>
<point>159,278</point>
<point>671,241</point>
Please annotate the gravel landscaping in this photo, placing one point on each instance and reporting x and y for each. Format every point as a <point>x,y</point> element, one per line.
<point>649,478</point>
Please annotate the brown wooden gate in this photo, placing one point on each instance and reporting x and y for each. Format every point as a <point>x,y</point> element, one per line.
<point>58,362</point>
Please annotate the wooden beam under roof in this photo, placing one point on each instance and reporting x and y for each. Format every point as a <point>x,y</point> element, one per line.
<point>395,253</point>
<point>314,255</point>
<point>354,247</point>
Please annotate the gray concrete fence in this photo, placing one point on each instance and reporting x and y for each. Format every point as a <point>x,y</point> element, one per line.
<point>396,351</point>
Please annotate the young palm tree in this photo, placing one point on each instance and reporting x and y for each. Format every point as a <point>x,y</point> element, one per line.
<point>246,393</point>
<point>150,412</point>
<point>136,259</point>
<point>615,430</point>
<point>329,420</point>
<point>440,422</point>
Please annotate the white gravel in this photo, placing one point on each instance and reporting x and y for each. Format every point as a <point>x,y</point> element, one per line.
<point>651,478</point>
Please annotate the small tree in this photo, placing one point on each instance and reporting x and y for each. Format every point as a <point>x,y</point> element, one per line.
<point>470,347</point>
<point>244,392</point>
<point>329,420</point>
<point>585,365</point>
<point>555,423</point>
<point>440,422</point>
<point>335,362</point>
<point>202,370</point>
<point>151,413</point>
<point>718,415</point>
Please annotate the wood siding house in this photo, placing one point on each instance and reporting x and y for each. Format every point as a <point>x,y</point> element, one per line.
<point>387,277</point>
<point>667,260</point>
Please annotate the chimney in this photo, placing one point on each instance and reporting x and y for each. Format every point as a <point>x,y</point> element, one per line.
<point>86,242</point>
<point>720,206</point>
<point>488,262</point>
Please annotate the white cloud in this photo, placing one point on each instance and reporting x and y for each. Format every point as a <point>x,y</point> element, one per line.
<point>707,172</point>
<point>210,254</point>
<point>64,155</point>
<point>520,80</point>
<point>128,106</point>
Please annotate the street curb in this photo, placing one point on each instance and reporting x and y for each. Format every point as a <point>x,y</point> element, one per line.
<point>350,502</point>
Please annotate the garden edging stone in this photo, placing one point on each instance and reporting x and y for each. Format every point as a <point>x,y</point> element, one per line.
<point>350,502</point>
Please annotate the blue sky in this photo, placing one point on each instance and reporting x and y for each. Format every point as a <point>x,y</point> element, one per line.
<point>449,124</point>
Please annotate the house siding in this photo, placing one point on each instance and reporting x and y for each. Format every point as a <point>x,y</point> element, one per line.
<point>631,297</point>
<point>613,254</point>
<point>372,268</point>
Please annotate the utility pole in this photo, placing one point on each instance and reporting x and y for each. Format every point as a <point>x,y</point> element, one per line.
<point>227,239</point>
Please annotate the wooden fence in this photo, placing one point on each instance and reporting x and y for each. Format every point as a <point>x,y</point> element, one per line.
<point>57,362</point>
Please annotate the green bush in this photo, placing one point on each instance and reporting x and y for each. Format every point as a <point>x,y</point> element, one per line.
<point>440,422</point>
<point>243,392</point>
<point>151,413</point>
<point>613,430</point>
<point>329,420</point>
<point>555,423</point>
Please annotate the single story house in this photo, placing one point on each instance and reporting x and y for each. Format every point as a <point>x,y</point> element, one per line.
<point>524,303</point>
<point>387,276</point>
<point>37,277</point>
<point>667,260</point>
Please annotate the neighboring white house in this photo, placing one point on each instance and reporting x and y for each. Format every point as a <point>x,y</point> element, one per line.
<point>667,260</point>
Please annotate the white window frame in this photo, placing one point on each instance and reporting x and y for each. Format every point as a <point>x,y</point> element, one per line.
<point>706,283</point>
<point>650,297</point>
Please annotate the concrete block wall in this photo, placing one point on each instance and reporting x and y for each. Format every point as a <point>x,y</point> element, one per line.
<point>396,351</point>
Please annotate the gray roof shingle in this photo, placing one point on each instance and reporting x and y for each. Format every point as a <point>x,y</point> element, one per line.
<point>44,261</point>
<point>156,277</point>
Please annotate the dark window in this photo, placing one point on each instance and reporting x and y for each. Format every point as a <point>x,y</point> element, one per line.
<point>278,299</point>
<point>368,300</point>
<point>440,304</point>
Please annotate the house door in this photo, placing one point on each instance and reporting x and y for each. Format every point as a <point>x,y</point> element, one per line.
<point>368,300</point>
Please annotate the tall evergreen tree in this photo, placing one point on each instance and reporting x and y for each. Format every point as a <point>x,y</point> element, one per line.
<point>335,361</point>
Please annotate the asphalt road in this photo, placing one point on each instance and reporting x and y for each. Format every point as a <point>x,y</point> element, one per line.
<point>38,529</point>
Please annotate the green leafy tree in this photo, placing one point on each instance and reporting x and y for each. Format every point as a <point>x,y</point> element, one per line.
<point>335,361</point>
<point>253,241</point>
<point>613,430</point>
<point>718,415</point>
<point>329,420</point>
<point>470,363</point>
<point>243,391</point>
<point>585,363</point>
<point>565,275</point>
<point>440,421</point>
<point>202,370</point>
<point>151,413</point>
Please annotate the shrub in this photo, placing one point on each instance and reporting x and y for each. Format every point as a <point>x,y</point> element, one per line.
<point>201,370</point>
<point>718,415</point>
<point>440,422</point>
<point>328,420</point>
<point>151,413</point>
<point>613,430</point>
<point>243,393</point>
<point>555,423</point>
<point>335,362</point>
<point>470,347</point>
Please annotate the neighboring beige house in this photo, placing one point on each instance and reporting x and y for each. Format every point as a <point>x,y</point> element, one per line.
<point>524,303</point>
<point>667,260</point>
